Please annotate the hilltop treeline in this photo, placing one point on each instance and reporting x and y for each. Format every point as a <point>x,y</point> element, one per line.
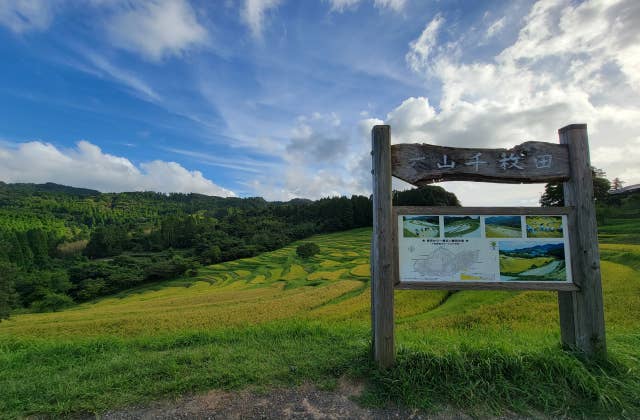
<point>61,244</point>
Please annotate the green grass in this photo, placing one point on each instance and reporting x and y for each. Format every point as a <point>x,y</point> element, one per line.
<point>277,320</point>
<point>621,231</point>
<point>499,231</point>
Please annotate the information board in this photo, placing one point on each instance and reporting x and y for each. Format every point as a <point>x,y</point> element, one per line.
<point>488,248</point>
<point>483,248</point>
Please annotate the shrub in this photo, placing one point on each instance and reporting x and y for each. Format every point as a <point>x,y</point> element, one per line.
<point>307,250</point>
<point>52,302</point>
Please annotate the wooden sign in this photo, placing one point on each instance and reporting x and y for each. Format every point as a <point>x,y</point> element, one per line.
<point>533,258</point>
<point>460,248</point>
<point>533,161</point>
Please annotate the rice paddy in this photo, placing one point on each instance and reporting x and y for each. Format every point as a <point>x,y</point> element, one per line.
<point>279,320</point>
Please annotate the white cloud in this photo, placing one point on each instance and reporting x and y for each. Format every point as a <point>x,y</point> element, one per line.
<point>496,27</point>
<point>26,15</point>
<point>156,29</point>
<point>342,5</point>
<point>321,158</point>
<point>395,5</point>
<point>572,63</point>
<point>421,49</point>
<point>253,14</point>
<point>88,166</point>
<point>106,68</point>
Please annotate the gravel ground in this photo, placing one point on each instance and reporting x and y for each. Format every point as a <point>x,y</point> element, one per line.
<point>303,402</point>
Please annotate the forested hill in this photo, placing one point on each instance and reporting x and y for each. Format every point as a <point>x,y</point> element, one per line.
<point>61,244</point>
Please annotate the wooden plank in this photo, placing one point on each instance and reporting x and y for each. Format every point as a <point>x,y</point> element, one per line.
<point>581,312</point>
<point>529,162</point>
<point>481,211</point>
<point>382,249</point>
<point>478,285</point>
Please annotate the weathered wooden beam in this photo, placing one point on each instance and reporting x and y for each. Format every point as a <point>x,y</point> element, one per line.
<point>480,285</point>
<point>581,312</point>
<point>382,249</point>
<point>529,162</point>
<point>482,211</point>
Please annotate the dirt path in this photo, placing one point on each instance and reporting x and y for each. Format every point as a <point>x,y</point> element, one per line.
<point>304,402</point>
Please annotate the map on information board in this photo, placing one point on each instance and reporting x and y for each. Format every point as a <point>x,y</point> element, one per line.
<point>483,248</point>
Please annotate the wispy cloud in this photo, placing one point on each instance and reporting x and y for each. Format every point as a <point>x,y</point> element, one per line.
<point>120,75</point>
<point>343,5</point>
<point>496,27</point>
<point>156,29</point>
<point>27,15</point>
<point>422,48</point>
<point>254,14</point>
<point>244,165</point>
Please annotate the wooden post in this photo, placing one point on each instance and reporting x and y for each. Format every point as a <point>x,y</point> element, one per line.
<point>382,249</point>
<point>581,312</point>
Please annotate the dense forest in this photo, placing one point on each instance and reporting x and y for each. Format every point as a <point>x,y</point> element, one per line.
<point>60,245</point>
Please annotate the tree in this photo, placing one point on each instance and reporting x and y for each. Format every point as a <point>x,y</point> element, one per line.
<point>7,293</point>
<point>428,195</point>
<point>106,241</point>
<point>211,255</point>
<point>307,250</point>
<point>553,195</point>
<point>617,183</point>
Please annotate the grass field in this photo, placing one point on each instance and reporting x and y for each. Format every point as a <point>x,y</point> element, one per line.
<point>516,265</point>
<point>277,320</point>
<point>502,232</point>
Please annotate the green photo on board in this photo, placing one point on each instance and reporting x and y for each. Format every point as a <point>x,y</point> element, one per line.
<point>421,226</point>
<point>532,261</point>
<point>462,226</point>
<point>503,227</point>
<point>544,227</point>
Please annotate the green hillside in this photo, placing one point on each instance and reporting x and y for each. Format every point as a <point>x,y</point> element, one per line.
<point>276,319</point>
<point>61,245</point>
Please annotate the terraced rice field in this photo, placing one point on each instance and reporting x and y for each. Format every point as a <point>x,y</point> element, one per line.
<point>455,227</point>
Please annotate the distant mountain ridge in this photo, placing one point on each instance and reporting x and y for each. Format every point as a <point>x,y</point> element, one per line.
<point>504,220</point>
<point>49,187</point>
<point>538,250</point>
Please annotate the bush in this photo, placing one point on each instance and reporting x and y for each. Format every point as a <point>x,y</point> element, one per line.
<point>168,269</point>
<point>52,302</point>
<point>307,250</point>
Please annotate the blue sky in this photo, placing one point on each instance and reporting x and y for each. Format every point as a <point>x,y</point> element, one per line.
<point>276,98</point>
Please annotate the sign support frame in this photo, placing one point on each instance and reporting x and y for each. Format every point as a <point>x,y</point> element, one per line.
<point>582,312</point>
<point>382,273</point>
<point>580,303</point>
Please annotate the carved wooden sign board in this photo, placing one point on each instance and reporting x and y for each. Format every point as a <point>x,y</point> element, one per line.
<point>421,164</point>
<point>505,248</point>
